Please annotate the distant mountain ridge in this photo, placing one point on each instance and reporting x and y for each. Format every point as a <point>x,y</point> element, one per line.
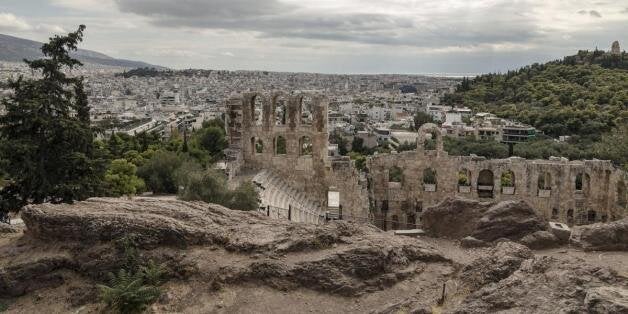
<point>15,49</point>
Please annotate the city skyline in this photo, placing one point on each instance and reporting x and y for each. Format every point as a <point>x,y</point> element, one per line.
<point>326,36</point>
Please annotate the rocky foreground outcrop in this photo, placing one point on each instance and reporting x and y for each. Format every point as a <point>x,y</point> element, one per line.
<point>611,236</point>
<point>217,260</point>
<point>513,280</point>
<point>343,258</point>
<point>484,221</point>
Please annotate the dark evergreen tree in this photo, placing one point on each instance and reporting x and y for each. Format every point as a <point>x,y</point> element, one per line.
<point>48,142</point>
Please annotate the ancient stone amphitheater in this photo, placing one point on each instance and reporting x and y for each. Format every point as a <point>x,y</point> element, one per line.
<point>280,140</point>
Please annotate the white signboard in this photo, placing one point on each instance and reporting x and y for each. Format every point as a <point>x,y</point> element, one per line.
<point>333,199</point>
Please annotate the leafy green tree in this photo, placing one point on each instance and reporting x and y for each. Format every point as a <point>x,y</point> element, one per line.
<point>359,160</point>
<point>212,139</point>
<point>121,179</point>
<point>357,145</point>
<point>48,142</point>
<point>338,139</point>
<point>468,146</point>
<point>159,172</point>
<point>211,186</point>
<point>244,197</point>
<point>405,146</point>
<point>421,118</point>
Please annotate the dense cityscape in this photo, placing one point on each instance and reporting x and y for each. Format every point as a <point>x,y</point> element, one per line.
<point>172,182</point>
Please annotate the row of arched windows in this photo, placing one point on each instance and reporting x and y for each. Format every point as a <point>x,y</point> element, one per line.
<point>485,182</point>
<point>280,145</point>
<point>279,109</point>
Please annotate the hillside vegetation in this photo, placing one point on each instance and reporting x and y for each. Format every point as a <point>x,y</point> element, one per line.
<point>584,96</point>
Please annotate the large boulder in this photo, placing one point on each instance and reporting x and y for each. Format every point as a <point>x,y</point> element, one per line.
<point>510,219</point>
<point>502,260</point>
<point>522,283</point>
<point>540,240</point>
<point>607,300</point>
<point>453,218</point>
<point>611,236</point>
<point>340,257</point>
<point>560,230</point>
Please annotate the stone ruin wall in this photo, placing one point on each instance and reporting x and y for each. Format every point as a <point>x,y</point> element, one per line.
<point>314,173</point>
<point>399,205</point>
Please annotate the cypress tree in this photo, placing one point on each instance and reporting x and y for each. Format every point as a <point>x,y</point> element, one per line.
<point>48,142</point>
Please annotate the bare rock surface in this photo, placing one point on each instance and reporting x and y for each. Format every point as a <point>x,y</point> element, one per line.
<point>457,218</point>
<point>510,219</point>
<point>453,218</point>
<point>223,261</point>
<point>341,258</point>
<point>6,228</point>
<point>611,236</point>
<point>515,281</point>
<point>540,240</point>
<point>607,300</point>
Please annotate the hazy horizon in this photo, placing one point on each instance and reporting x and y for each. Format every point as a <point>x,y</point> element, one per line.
<point>328,36</point>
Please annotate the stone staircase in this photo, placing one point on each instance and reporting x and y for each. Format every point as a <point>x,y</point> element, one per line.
<point>279,194</point>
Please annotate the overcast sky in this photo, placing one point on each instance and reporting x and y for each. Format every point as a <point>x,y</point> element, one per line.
<point>331,36</point>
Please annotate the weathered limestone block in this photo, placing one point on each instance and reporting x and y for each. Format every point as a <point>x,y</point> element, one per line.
<point>601,236</point>
<point>453,218</point>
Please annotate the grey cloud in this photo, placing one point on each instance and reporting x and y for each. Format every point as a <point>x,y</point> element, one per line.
<point>595,13</point>
<point>625,10</point>
<point>274,19</point>
<point>592,13</point>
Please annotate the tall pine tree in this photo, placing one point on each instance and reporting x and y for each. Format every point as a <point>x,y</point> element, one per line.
<point>48,142</point>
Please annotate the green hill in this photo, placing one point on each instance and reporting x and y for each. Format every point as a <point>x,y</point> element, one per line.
<point>557,98</point>
<point>584,96</point>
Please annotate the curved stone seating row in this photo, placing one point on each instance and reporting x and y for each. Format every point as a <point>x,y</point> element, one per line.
<point>280,194</point>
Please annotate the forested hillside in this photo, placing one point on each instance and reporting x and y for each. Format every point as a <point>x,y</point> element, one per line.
<point>583,96</point>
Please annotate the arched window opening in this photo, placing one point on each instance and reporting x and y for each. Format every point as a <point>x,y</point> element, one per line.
<point>257,108</point>
<point>485,184</point>
<point>579,183</point>
<point>418,206</point>
<point>591,216</point>
<point>395,174</point>
<point>621,194</point>
<point>570,216</point>
<point>280,146</point>
<point>259,146</point>
<point>281,110</point>
<point>430,140</point>
<point>429,180</point>
<point>305,146</point>
<point>544,184</point>
<point>554,213</point>
<point>507,182</point>
<point>307,110</point>
<point>464,181</point>
<point>411,221</point>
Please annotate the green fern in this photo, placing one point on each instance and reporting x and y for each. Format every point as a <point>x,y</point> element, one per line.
<point>153,273</point>
<point>128,292</point>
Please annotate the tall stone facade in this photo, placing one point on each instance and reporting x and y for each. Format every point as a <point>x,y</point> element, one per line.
<point>572,192</point>
<point>287,134</point>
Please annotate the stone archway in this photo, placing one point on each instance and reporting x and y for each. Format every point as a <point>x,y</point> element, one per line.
<point>486,184</point>
<point>430,133</point>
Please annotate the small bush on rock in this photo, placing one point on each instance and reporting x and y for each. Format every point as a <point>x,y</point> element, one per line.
<point>128,292</point>
<point>134,286</point>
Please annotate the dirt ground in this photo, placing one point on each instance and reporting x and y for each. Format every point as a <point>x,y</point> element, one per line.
<point>194,296</point>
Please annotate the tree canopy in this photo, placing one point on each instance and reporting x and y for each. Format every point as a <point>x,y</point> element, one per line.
<point>48,145</point>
